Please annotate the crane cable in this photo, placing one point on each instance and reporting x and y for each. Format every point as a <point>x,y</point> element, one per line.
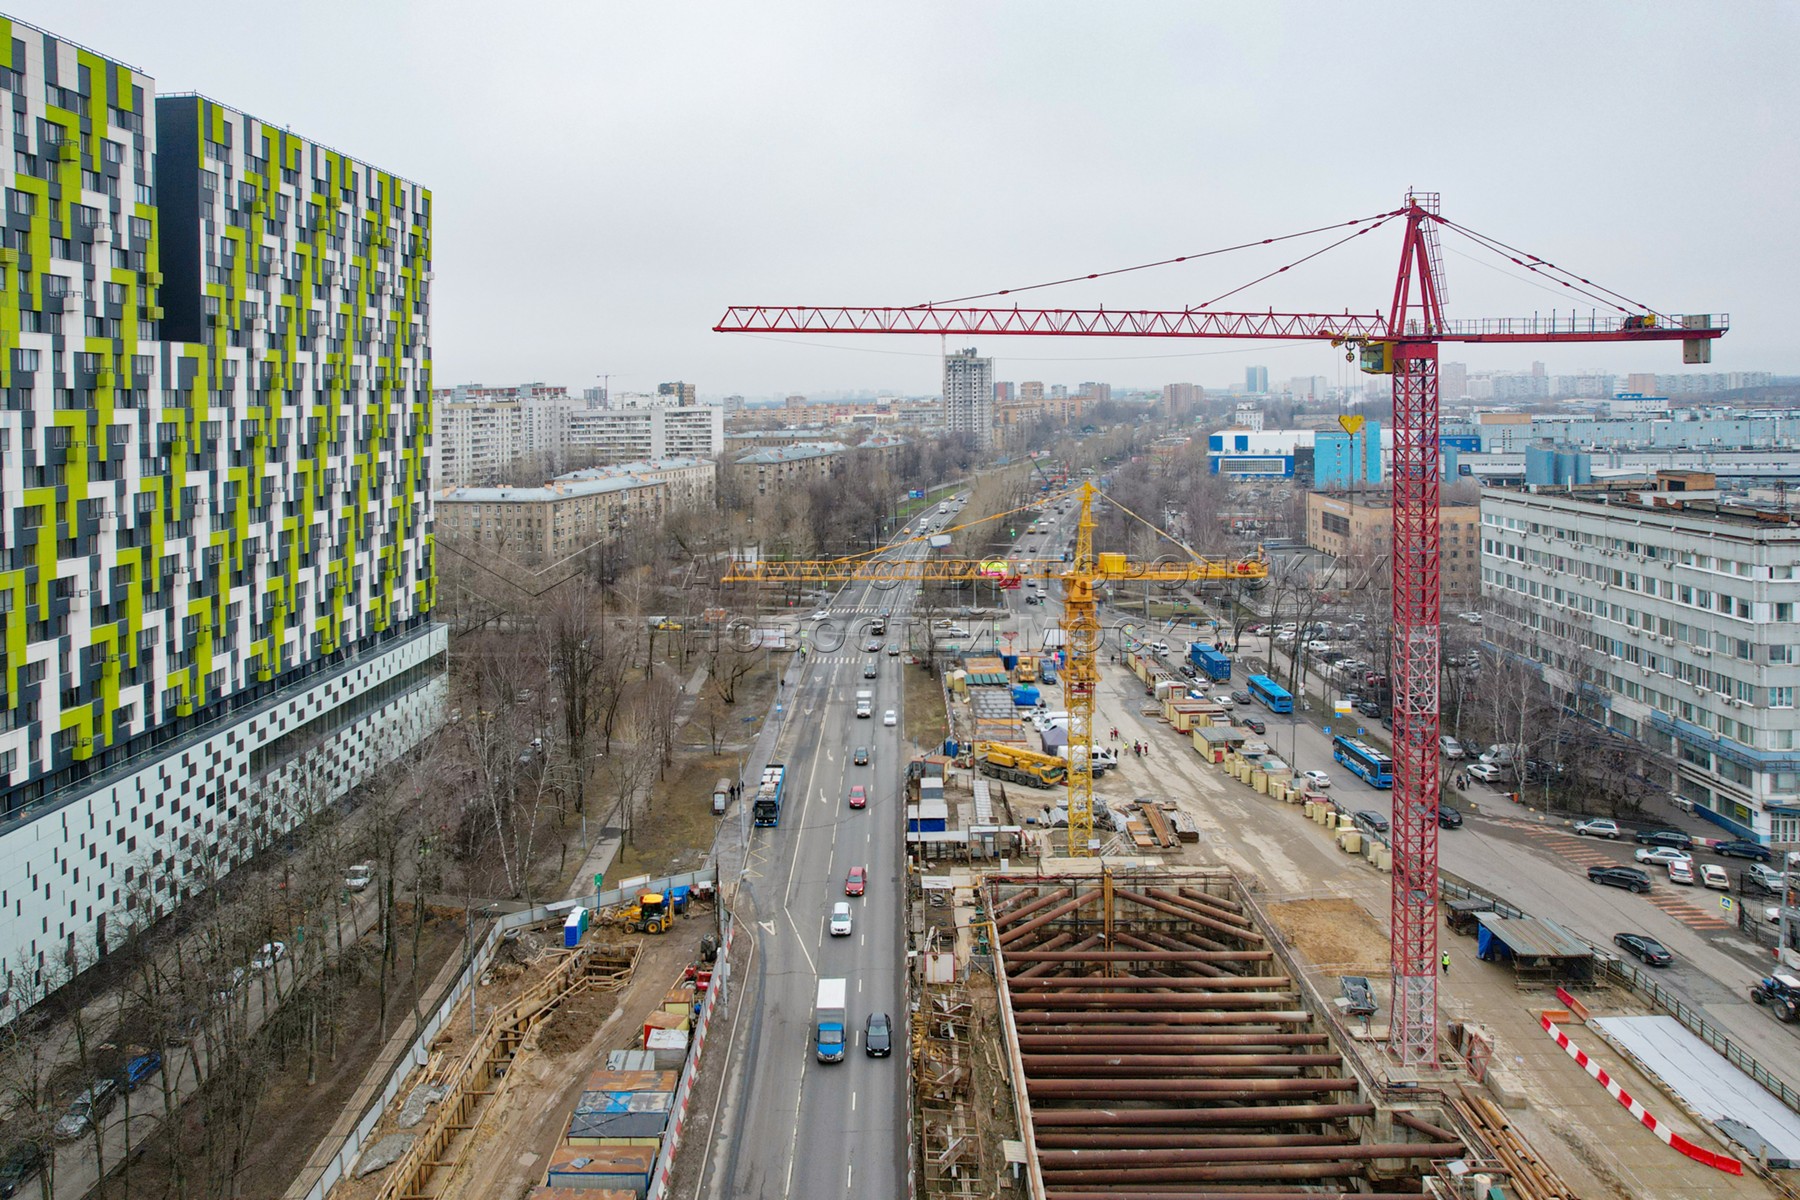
<point>1560,275</point>
<point>1164,262</point>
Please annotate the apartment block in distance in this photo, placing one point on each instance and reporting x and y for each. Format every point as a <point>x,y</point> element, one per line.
<point>216,567</point>
<point>969,397</point>
<point>1361,528</point>
<point>1681,609</point>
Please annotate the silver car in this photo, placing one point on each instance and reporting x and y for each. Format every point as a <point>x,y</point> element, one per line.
<point>85,1109</point>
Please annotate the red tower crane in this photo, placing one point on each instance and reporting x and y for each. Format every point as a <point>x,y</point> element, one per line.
<point>1403,343</point>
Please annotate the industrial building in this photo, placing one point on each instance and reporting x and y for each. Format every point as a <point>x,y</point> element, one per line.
<point>1680,610</point>
<point>1360,529</point>
<point>219,571</point>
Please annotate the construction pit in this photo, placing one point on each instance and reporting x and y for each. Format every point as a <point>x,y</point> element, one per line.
<point>1164,1045</point>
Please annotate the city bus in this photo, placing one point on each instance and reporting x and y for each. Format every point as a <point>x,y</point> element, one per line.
<point>1376,768</point>
<point>1271,695</point>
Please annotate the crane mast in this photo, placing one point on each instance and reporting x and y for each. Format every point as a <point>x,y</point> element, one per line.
<point>1402,343</point>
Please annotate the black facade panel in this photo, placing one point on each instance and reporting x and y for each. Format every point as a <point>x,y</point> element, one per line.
<point>177,184</point>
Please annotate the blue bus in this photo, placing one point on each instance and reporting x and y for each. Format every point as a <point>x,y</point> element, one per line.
<point>1271,695</point>
<point>1376,768</point>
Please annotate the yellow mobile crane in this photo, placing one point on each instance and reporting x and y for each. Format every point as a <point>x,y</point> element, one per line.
<point>1080,623</point>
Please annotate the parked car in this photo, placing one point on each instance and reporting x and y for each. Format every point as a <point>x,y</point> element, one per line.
<point>1712,875</point>
<point>878,1036</point>
<point>1629,878</point>
<point>22,1162</point>
<point>1486,772</point>
<point>1318,779</point>
<point>840,919</point>
<point>1672,838</point>
<point>1599,827</point>
<point>270,954</point>
<point>858,797</point>
<point>1452,748</point>
<point>861,757</point>
<point>1662,855</point>
<point>1765,879</point>
<point>92,1105</point>
<point>139,1068</point>
<point>856,881</point>
<point>1681,871</point>
<point>1643,946</point>
<point>358,877</point>
<point>1449,818</point>
<point>1742,849</point>
<point>1369,708</point>
<point>1370,821</point>
<point>1255,725</point>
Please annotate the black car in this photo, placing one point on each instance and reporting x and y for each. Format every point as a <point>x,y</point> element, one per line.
<point>1644,947</point>
<point>1739,849</point>
<point>1449,818</point>
<point>878,1036</point>
<point>1240,698</point>
<point>1255,725</point>
<point>1370,821</point>
<point>1368,708</point>
<point>1629,878</point>
<point>861,757</point>
<point>22,1162</point>
<point>1673,838</point>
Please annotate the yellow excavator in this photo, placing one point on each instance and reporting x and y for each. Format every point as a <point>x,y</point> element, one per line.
<point>649,913</point>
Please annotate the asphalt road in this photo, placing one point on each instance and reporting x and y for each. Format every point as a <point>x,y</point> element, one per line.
<point>791,1125</point>
<point>1539,867</point>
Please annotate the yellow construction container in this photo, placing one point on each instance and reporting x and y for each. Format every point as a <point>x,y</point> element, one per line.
<point>1350,841</point>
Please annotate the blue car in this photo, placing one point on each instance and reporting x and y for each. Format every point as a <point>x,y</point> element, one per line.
<point>139,1069</point>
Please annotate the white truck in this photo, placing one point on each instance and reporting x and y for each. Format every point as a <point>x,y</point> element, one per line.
<point>1104,760</point>
<point>865,703</point>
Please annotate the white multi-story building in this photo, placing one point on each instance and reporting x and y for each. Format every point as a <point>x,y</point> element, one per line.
<point>969,396</point>
<point>489,437</point>
<point>1683,611</point>
<point>217,570</point>
<point>627,435</point>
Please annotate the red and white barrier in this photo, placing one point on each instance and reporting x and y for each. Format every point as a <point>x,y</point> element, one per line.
<point>690,1071</point>
<point>1699,1154</point>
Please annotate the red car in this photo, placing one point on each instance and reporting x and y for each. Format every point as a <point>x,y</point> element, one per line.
<point>853,883</point>
<point>858,797</point>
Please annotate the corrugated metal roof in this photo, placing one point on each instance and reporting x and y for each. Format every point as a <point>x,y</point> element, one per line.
<point>1534,937</point>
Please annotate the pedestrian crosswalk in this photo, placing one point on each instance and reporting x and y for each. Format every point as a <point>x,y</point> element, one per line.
<point>1585,853</point>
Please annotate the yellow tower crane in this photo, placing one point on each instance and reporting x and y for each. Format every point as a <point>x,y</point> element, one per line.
<point>1081,613</point>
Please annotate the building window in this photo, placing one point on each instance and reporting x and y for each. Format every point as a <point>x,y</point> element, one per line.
<point>1781,697</point>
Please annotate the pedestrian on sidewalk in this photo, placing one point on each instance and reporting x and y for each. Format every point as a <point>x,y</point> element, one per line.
<point>1446,962</point>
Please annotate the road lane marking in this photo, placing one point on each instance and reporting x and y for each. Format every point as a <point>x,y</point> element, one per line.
<point>801,942</point>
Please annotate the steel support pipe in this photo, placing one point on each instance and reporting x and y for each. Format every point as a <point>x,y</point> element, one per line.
<point>1115,1139</point>
<point>1131,956</point>
<point>1247,1019</point>
<point>1123,1177</point>
<point>1232,907</point>
<point>1134,1087</point>
<point>1199,1118</point>
<point>1189,940</point>
<point>1128,1159</point>
<point>1262,1044</point>
<point>1174,906</point>
<point>1245,983</point>
<point>1035,1001</point>
<point>1017,932</point>
<point>1420,1125</point>
<point>1179,1062</point>
<point>1212,1193</point>
<point>1009,917</point>
<point>1060,941</point>
<point>1237,1075</point>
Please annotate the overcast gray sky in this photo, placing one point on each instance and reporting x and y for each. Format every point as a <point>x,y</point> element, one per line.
<point>608,177</point>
